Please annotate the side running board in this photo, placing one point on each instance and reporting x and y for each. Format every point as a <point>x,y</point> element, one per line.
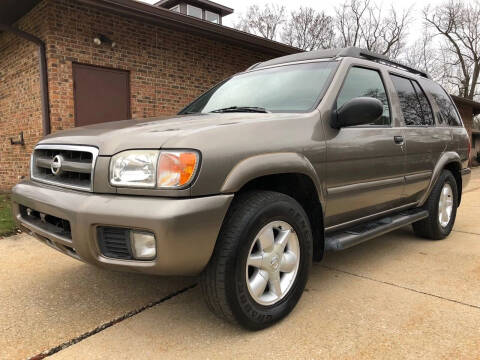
<point>343,239</point>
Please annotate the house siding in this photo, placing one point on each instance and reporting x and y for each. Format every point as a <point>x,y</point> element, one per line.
<point>168,69</point>
<point>466,112</point>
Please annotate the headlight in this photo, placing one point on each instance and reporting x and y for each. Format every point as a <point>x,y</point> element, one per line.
<point>134,168</point>
<point>152,168</point>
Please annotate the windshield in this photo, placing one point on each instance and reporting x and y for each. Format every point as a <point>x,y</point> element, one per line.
<point>291,88</point>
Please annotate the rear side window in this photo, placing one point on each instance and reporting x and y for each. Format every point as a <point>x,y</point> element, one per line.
<point>365,82</point>
<point>424,103</point>
<point>415,106</point>
<point>448,114</point>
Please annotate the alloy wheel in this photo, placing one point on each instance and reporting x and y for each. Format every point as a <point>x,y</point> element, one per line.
<point>272,263</point>
<point>445,205</point>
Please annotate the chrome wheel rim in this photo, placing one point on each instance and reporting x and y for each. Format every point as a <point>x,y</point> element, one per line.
<point>272,263</point>
<point>445,205</point>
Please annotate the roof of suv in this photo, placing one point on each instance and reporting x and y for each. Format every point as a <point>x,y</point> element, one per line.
<point>339,53</point>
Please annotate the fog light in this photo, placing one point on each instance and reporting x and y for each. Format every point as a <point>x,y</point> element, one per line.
<point>143,245</point>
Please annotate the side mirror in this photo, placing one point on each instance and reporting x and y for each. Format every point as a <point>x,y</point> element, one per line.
<point>358,111</point>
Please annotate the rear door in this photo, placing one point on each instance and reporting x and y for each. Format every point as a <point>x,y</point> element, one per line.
<point>424,142</point>
<point>100,94</point>
<point>365,164</point>
<point>447,116</point>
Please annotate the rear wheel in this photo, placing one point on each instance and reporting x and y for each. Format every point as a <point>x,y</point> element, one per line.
<point>442,207</point>
<point>261,261</point>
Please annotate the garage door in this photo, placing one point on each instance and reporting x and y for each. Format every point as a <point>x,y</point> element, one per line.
<point>100,94</point>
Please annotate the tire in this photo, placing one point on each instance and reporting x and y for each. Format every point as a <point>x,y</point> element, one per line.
<point>431,227</point>
<point>228,282</point>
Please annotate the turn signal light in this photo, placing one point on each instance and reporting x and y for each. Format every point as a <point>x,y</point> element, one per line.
<point>176,168</point>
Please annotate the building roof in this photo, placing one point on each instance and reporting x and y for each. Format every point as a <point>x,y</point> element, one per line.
<point>464,101</point>
<point>12,10</point>
<point>161,16</point>
<point>207,4</point>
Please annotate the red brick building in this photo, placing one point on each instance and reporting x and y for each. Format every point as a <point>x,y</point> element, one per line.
<point>160,60</point>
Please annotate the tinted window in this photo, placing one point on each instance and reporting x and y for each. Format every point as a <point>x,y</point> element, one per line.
<point>412,108</point>
<point>365,82</point>
<point>285,88</point>
<point>424,104</point>
<point>448,114</point>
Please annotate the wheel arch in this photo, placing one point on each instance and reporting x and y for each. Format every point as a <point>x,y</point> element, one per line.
<point>288,173</point>
<point>258,166</point>
<point>448,161</point>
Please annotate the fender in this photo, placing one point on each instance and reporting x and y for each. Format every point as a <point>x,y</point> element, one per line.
<point>271,164</point>
<point>445,159</point>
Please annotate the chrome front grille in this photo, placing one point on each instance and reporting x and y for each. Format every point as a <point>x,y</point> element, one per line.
<point>67,166</point>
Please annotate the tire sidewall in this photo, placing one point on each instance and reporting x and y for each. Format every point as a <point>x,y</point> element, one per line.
<point>245,308</point>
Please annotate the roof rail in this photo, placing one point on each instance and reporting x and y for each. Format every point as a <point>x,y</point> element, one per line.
<point>362,53</point>
<point>337,53</point>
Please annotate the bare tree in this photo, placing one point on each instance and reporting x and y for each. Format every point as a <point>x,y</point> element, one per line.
<point>432,56</point>
<point>423,54</point>
<point>348,21</point>
<point>363,23</point>
<point>309,29</point>
<point>458,23</point>
<point>264,22</point>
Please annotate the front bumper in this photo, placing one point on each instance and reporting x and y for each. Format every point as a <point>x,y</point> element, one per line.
<point>185,229</point>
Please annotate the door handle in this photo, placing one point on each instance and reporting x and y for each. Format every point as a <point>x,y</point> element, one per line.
<point>398,139</point>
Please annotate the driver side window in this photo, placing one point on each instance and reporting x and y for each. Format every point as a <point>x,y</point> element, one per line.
<point>362,82</point>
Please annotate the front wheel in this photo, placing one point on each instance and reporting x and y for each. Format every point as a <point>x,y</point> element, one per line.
<point>442,208</point>
<point>261,260</point>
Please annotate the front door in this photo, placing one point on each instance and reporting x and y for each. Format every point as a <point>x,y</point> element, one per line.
<point>365,164</point>
<point>100,94</point>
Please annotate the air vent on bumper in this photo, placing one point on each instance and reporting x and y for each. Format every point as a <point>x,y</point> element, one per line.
<point>115,242</point>
<point>126,244</point>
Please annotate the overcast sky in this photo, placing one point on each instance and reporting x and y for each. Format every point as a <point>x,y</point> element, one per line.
<point>327,6</point>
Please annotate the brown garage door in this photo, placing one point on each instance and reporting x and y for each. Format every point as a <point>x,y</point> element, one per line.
<point>101,94</point>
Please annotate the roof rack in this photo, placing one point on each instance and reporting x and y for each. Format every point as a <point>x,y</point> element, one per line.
<point>362,53</point>
<point>338,53</point>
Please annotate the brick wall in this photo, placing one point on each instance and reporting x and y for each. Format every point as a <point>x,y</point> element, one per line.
<point>20,102</point>
<point>168,68</point>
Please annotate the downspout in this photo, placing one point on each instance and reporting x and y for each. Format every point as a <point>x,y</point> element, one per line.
<point>42,57</point>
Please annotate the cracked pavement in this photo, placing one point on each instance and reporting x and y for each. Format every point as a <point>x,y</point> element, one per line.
<point>393,297</point>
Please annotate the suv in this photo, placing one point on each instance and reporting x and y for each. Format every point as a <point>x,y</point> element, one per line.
<point>262,174</point>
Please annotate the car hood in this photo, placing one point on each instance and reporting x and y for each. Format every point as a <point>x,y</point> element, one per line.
<point>152,133</point>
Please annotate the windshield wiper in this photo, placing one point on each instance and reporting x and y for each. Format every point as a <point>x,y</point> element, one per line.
<point>241,109</point>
